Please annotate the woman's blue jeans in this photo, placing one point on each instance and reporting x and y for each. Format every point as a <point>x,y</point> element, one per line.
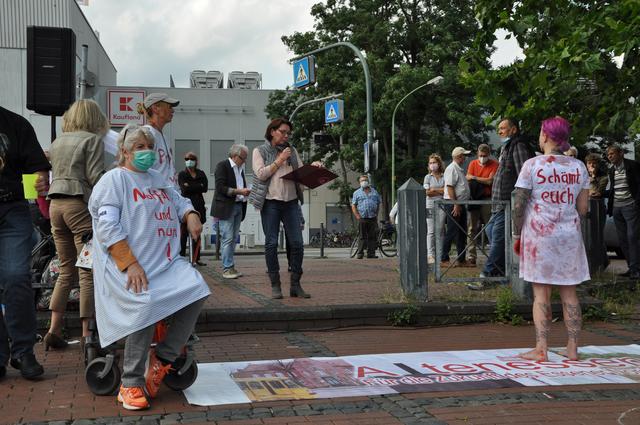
<point>273,213</point>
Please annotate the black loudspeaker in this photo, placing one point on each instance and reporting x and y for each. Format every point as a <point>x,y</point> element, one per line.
<point>51,69</point>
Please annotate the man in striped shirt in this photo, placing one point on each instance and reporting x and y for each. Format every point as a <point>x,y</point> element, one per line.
<point>624,206</point>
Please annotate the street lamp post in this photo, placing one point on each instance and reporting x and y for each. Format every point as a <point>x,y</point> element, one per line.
<point>435,80</point>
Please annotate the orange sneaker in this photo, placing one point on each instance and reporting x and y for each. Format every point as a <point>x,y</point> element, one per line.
<point>133,398</point>
<point>155,374</point>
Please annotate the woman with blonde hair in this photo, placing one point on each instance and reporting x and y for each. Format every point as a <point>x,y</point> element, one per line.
<point>434,187</point>
<point>77,161</point>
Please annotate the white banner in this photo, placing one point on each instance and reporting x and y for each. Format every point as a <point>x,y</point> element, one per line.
<point>331,377</point>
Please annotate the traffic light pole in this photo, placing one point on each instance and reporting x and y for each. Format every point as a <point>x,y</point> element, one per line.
<point>367,79</point>
<point>308,102</point>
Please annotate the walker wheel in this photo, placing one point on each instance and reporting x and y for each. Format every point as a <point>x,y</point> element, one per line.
<point>178,382</point>
<point>102,382</point>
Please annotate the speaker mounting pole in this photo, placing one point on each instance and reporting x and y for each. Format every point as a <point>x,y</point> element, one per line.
<point>53,128</point>
<point>83,73</point>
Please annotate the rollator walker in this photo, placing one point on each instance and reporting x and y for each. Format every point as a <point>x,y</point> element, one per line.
<point>102,371</point>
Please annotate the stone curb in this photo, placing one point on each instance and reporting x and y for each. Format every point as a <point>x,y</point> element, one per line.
<point>317,317</point>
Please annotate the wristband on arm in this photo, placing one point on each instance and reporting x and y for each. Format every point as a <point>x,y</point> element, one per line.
<point>122,255</point>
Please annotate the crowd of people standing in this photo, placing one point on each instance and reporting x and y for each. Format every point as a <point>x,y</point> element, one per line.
<point>140,213</point>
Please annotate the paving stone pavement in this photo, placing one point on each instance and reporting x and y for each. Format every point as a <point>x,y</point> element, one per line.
<point>62,397</point>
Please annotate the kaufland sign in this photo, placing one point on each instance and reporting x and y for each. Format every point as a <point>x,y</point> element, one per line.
<point>122,106</point>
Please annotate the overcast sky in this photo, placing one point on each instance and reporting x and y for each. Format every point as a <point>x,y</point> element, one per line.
<point>149,39</point>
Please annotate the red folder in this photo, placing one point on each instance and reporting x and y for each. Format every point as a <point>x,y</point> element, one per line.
<point>310,176</point>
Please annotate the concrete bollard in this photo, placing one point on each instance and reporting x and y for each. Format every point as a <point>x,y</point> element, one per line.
<point>412,240</point>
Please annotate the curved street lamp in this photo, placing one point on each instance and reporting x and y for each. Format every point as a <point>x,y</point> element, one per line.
<point>433,81</point>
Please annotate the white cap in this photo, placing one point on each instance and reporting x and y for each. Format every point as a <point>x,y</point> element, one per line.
<point>459,151</point>
<point>154,98</point>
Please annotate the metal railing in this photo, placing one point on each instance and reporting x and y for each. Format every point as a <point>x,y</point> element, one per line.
<point>439,274</point>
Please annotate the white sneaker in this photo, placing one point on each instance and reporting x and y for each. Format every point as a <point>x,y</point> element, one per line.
<point>230,274</point>
<point>236,272</point>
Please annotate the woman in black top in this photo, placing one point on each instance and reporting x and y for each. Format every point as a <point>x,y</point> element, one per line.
<point>193,183</point>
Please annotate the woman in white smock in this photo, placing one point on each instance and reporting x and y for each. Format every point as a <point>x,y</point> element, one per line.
<point>139,276</point>
<point>552,192</point>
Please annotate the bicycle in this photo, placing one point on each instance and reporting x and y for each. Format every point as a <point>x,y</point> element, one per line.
<point>386,240</point>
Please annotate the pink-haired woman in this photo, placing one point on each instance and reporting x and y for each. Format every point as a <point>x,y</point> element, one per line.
<point>552,192</point>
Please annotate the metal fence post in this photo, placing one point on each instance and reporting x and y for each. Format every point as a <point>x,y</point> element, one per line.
<point>412,232</point>
<point>321,240</point>
<point>519,287</point>
<point>593,236</point>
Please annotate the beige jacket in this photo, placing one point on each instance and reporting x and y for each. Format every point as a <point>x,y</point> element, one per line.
<point>77,162</point>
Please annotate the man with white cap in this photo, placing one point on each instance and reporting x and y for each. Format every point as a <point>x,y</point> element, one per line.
<point>158,108</point>
<point>456,189</point>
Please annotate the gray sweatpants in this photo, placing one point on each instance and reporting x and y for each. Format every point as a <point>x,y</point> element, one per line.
<point>136,347</point>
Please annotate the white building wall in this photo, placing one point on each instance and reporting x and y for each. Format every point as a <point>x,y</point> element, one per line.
<point>15,17</point>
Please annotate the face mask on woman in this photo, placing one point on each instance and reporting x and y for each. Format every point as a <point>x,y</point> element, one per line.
<point>143,160</point>
<point>434,167</point>
<point>190,163</point>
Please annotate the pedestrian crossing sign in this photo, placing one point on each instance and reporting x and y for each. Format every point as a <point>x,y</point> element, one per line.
<point>304,72</point>
<point>333,111</point>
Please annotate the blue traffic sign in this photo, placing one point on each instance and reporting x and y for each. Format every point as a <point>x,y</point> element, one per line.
<point>304,72</point>
<point>333,111</point>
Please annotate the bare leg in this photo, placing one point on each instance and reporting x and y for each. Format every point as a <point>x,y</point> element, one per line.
<point>572,319</point>
<point>85,326</point>
<point>542,321</point>
<point>57,320</point>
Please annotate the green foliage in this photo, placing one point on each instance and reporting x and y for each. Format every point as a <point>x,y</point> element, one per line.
<point>405,317</point>
<point>406,43</point>
<point>570,69</point>
<point>620,298</point>
<point>504,307</point>
<point>594,314</point>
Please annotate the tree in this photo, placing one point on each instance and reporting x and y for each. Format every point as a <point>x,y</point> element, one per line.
<point>581,62</point>
<point>406,43</point>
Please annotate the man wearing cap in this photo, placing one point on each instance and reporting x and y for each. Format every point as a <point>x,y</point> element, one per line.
<point>480,177</point>
<point>456,189</point>
<point>158,108</point>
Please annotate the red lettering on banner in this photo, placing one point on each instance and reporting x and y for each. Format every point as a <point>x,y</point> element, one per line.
<point>522,365</point>
<point>366,370</point>
<point>483,367</point>
<point>431,367</point>
<point>552,365</point>
<point>607,362</point>
<point>458,368</point>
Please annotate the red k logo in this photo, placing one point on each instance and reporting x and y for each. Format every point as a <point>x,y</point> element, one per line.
<point>124,104</point>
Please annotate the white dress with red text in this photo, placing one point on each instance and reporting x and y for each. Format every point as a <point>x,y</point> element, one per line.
<point>145,209</point>
<point>551,246</point>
